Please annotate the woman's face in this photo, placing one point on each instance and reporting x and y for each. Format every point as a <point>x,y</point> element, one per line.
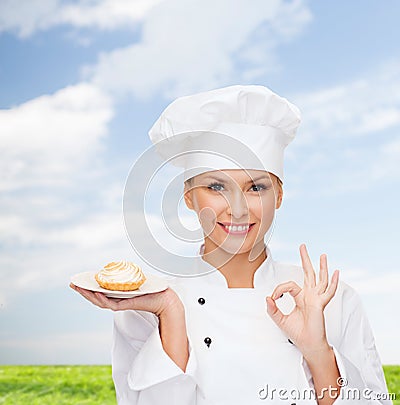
<point>235,207</point>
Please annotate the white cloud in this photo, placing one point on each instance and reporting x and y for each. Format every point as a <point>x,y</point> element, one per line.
<point>359,107</point>
<point>49,151</point>
<point>52,254</point>
<point>386,165</point>
<point>379,119</point>
<point>359,121</point>
<point>367,282</point>
<point>26,17</point>
<point>383,284</point>
<point>185,45</point>
<point>49,139</point>
<point>105,14</point>
<point>188,46</point>
<point>62,348</point>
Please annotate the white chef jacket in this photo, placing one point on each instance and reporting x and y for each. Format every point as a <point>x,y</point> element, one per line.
<point>237,355</point>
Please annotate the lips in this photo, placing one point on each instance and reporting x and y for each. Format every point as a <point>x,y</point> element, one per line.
<point>236,229</point>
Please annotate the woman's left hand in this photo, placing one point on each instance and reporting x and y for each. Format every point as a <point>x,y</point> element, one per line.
<point>305,325</point>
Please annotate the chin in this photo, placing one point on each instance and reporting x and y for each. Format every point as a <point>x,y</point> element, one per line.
<point>236,248</point>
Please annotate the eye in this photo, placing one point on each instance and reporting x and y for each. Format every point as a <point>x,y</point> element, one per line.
<point>216,186</point>
<point>258,187</point>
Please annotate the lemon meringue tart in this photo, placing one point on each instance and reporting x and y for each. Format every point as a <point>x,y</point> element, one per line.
<point>120,276</point>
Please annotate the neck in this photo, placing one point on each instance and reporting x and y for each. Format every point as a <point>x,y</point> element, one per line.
<point>238,269</point>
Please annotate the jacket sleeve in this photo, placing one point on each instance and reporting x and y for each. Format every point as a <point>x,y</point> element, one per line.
<point>143,373</point>
<point>361,373</point>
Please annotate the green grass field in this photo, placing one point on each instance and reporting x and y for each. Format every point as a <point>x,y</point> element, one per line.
<point>56,385</point>
<point>86,385</point>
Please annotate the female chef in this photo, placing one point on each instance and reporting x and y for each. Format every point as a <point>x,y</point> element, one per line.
<point>248,330</point>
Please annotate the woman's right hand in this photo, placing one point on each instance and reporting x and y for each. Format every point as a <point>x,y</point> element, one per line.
<point>158,303</point>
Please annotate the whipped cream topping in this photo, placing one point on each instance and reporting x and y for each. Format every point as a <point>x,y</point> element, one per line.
<point>120,272</point>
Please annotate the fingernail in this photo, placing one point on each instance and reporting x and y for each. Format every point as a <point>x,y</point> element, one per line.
<point>281,296</point>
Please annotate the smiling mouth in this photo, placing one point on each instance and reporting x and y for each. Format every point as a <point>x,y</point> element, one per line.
<point>241,229</point>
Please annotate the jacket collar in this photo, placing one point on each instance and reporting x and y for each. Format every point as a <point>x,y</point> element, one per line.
<point>212,276</point>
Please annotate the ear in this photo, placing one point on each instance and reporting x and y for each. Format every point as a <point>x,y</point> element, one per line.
<point>187,195</point>
<point>279,196</point>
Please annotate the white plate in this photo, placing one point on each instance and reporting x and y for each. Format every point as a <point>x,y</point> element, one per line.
<point>151,285</point>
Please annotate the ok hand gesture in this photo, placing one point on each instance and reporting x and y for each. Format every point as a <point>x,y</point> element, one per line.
<point>305,325</point>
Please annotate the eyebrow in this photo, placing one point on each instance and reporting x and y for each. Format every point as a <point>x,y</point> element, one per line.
<point>247,182</point>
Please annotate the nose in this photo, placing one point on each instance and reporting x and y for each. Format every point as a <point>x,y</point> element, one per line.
<point>237,205</point>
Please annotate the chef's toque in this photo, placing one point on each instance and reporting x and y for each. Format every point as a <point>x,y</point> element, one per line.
<point>235,127</point>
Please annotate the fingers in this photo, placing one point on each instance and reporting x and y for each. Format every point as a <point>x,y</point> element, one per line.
<point>274,312</point>
<point>97,298</point>
<point>323,274</point>
<point>110,303</point>
<point>309,274</point>
<point>331,291</point>
<point>322,288</point>
<point>143,302</point>
<point>89,295</point>
<point>290,286</point>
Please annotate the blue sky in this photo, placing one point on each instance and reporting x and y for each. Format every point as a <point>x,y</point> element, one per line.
<point>81,83</point>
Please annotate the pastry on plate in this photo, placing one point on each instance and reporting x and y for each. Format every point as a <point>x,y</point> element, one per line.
<point>120,276</point>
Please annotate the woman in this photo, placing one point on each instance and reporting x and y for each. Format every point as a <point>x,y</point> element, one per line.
<point>253,330</point>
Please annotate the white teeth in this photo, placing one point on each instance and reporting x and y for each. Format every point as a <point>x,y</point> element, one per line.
<point>234,228</point>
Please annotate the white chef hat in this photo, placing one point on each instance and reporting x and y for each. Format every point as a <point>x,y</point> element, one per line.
<point>245,127</point>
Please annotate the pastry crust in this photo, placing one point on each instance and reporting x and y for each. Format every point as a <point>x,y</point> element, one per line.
<point>119,286</point>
